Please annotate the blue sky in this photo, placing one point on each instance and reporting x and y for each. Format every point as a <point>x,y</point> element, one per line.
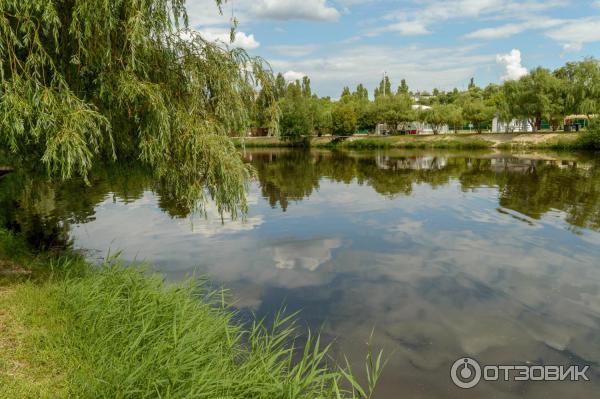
<point>430,43</point>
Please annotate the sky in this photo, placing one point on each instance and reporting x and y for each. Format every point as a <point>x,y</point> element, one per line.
<point>430,43</point>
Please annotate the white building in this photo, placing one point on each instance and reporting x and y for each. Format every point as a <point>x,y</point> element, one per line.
<point>424,127</point>
<point>514,126</point>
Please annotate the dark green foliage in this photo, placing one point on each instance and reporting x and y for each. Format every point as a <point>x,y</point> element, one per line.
<point>589,140</point>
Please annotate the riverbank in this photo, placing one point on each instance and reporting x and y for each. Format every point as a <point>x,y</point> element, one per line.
<point>70,329</point>
<point>556,141</point>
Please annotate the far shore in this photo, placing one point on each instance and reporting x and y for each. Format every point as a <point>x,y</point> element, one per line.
<point>539,140</point>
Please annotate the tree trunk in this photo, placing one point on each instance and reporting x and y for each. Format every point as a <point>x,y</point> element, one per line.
<point>533,124</point>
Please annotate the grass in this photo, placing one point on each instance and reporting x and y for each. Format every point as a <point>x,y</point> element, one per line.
<point>585,141</point>
<point>588,140</point>
<point>366,142</point>
<point>117,332</point>
<point>269,142</point>
<point>30,367</point>
<point>413,143</point>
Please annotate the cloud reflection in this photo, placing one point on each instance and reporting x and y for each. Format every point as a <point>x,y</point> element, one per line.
<point>305,254</point>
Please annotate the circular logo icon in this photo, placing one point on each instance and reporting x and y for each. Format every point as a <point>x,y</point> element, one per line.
<point>465,373</point>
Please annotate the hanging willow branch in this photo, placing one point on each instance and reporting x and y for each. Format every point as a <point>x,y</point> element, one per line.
<point>82,80</point>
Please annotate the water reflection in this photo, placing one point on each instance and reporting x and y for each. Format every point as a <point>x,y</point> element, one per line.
<point>447,254</point>
<point>531,187</point>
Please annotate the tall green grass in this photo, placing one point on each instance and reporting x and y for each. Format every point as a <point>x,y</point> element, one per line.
<point>117,332</point>
<point>137,337</point>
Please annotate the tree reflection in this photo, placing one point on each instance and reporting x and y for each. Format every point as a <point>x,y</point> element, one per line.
<point>286,176</point>
<point>530,187</point>
<point>43,210</point>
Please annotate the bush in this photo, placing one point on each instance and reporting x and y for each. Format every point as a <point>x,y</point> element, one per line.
<point>589,140</point>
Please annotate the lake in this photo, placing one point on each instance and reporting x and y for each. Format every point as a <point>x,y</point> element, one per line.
<point>495,256</point>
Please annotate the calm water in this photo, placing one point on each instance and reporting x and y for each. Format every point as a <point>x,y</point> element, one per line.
<point>446,255</point>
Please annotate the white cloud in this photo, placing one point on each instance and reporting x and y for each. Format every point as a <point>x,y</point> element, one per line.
<point>242,39</point>
<point>206,13</point>
<point>422,18</point>
<point>512,29</point>
<point>352,64</point>
<point>291,76</point>
<point>572,47</point>
<point>316,10</point>
<point>404,28</point>
<point>497,32</point>
<point>575,34</point>
<point>511,62</point>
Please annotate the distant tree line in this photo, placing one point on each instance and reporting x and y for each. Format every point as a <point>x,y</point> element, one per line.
<point>540,98</point>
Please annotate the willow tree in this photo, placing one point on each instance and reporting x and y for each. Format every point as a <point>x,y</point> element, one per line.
<point>84,80</point>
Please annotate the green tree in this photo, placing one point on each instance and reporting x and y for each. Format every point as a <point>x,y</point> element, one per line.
<point>361,93</point>
<point>346,95</point>
<point>443,114</point>
<point>321,109</point>
<point>280,86</point>
<point>454,116</point>
<point>297,117</point>
<point>533,98</point>
<point>582,86</point>
<point>495,96</point>
<point>306,90</point>
<point>403,88</point>
<point>558,109</point>
<point>434,117</point>
<point>367,117</point>
<point>394,110</point>
<point>266,112</point>
<point>476,111</point>
<point>384,89</point>
<point>344,120</point>
<point>472,85</point>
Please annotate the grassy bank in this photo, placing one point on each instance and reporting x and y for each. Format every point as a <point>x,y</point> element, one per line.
<point>412,143</point>
<point>113,332</point>
<point>274,142</point>
<point>372,142</point>
<point>521,141</point>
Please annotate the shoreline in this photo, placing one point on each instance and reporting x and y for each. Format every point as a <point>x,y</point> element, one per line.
<point>505,141</point>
